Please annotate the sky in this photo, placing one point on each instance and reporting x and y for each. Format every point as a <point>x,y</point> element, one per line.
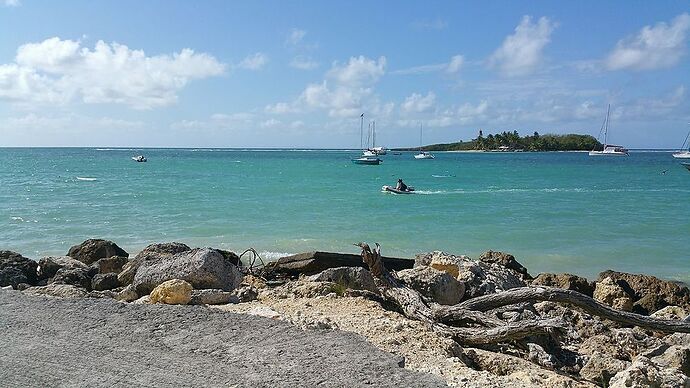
<point>300,73</point>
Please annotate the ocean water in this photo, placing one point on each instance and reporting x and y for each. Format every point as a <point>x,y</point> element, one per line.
<point>557,212</point>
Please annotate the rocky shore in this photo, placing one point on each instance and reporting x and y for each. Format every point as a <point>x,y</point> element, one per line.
<point>621,330</point>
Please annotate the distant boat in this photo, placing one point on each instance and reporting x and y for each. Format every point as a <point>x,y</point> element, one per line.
<point>609,149</point>
<point>684,153</point>
<point>391,189</point>
<point>422,154</point>
<point>139,158</point>
<point>367,157</point>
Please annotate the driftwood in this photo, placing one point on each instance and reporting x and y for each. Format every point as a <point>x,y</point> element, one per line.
<point>488,329</point>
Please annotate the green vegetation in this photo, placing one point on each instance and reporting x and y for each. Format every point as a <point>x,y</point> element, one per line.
<point>510,141</point>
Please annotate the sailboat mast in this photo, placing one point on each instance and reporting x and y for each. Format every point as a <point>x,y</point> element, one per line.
<point>420,137</point>
<point>361,131</point>
<point>373,134</point>
<point>606,127</point>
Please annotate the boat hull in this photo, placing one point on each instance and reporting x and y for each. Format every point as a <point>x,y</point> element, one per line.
<point>682,155</point>
<point>391,189</point>
<point>424,156</point>
<point>367,161</point>
<point>602,153</point>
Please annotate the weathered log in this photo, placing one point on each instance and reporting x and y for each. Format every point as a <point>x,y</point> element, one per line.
<point>449,314</point>
<point>505,332</point>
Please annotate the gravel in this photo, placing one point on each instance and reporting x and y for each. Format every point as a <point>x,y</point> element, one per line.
<point>99,342</point>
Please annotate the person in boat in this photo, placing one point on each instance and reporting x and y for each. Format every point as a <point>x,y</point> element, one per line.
<point>401,185</point>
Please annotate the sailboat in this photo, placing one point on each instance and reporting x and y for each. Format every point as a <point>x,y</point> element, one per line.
<point>367,156</point>
<point>609,149</point>
<point>684,153</point>
<point>422,154</point>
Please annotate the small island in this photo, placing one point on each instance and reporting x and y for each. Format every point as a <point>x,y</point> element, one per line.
<point>512,141</point>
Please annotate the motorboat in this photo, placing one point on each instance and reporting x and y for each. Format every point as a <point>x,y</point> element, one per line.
<point>371,160</point>
<point>139,158</point>
<point>391,189</point>
<point>609,149</point>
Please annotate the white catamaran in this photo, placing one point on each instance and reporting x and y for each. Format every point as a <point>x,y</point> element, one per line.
<point>609,149</point>
<point>422,154</point>
<point>684,152</point>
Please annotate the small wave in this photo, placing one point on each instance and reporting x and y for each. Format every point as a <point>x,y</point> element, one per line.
<point>116,149</point>
<point>79,178</point>
<point>17,219</point>
<point>443,176</point>
<point>273,256</point>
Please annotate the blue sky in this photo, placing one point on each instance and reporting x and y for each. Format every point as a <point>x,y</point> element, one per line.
<point>299,73</point>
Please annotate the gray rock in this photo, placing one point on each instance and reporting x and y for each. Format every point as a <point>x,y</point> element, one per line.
<point>676,357</point>
<point>102,282</point>
<point>58,290</point>
<point>212,296</point>
<point>609,292</point>
<point>111,264</point>
<point>128,294</point>
<point>48,266</point>
<point>565,281</point>
<point>659,293</point>
<point>487,278</point>
<point>153,252</point>
<point>436,285</point>
<point>73,276</point>
<point>245,293</point>
<point>505,260</point>
<point>356,278</point>
<point>91,250</point>
<point>643,372</point>
<point>201,267</point>
<point>15,269</point>
<point>600,368</point>
<point>441,261</point>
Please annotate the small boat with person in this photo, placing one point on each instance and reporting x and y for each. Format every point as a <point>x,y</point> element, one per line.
<point>400,188</point>
<point>609,149</point>
<point>139,158</point>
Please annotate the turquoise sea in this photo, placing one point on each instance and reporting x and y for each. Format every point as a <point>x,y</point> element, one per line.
<point>557,212</point>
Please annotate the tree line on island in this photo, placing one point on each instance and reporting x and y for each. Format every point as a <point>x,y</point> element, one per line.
<point>512,141</point>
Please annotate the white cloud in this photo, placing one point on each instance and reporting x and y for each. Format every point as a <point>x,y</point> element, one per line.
<point>270,123</point>
<point>218,121</point>
<point>12,3</point>
<point>253,62</point>
<point>58,71</point>
<point>521,52</point>
<point>69,122</point>
<point>358,71</point>
<point>279,108</point>
<point>416,103</point>
<point>451,67</point>
<point>303,63</point>
<point>653,47</point>
<point>296,36</point>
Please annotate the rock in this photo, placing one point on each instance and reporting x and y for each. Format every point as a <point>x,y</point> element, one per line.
<point>484,278</point>
<point>670,312</point>
<point>441,261</point>
<point>622,344</point>
<point>74,276</point>
<point>244,294</point>
<point>263,311</point>
<point>102,282</point>
<point>639,286</point>
<point>48,266</point>
<point>436,285</point>
<point>146,299</point>
<point>210,296</point>
<point>600,368</point>
<point>201,267</point>
<point>609,292</point>
<point>58,290</point>
<point>15,269</point>
<point>105,294</point>
<point>356,278</point>
<point>111,264</point>
<point>128,294</point>
<point>152,252</point>
<point>676,357</point>
<point>648,304</point>
<point>565,281</point>
<point>175,291</point>
<point>505,260</point>
<point>311,263</point>
<point>91,250</point>
<point>645,373</point>
<point>539,356</point>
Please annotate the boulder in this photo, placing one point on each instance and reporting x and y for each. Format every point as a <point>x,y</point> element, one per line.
<point>48,266</point>
<point>153,252</point>
<point>675,357</point>
<point>212,296</point>
<point>622,344</point>
<point>91,250</point>
<point>248,293</point>
<point>201,267</point>
<point>58,290</point>
<point>487,278</point>
<point>611,293</point>
<point>356,278</point>
<point>643,372</point>
<point>670,312</point>
<point>436,285</point>
<point>111,264</point>
<point>664,293</point>
<point>311,263</point>
<point>73,276</point>
<point>505,260</point>
<point>102,282</point>
<point>600,368</point>
<point>565,281</point>
<point>442,261</point>
<point>127,294</point>
<point>174,291</point>
<point>15,269</point>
